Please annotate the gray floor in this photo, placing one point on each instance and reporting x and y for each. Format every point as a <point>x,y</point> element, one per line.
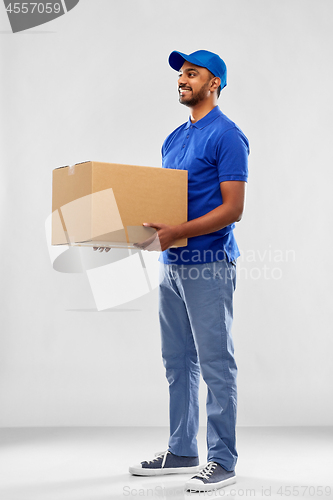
<point>92,464</point>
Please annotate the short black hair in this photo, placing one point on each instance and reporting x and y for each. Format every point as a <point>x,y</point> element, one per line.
<point>219,88</point>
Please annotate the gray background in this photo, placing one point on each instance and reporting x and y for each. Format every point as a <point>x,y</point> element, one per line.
<point>95,84</point>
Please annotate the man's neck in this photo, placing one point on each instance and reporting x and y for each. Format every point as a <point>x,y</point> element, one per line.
<point>201,110</point>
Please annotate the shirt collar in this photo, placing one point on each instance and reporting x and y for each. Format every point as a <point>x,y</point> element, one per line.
<point>206,120</point>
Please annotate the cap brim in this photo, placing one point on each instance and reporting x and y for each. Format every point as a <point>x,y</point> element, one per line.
<point>176,60</point>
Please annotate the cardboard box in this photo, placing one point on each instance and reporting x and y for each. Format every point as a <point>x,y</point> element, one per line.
<point>105,204</point>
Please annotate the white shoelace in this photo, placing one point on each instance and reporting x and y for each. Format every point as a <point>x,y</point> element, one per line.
<point>163,454</point>
<point>207,470</point>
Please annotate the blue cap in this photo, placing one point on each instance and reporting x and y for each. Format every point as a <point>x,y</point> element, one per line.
<point>202,58</point>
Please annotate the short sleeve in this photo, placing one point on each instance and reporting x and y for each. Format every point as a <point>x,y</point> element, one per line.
<point>232,153</point>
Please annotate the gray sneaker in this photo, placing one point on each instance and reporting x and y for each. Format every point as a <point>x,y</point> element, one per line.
<point>212,477</point>
<point>166,463</point>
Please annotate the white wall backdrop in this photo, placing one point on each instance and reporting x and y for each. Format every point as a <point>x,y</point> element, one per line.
<point>95,84</point>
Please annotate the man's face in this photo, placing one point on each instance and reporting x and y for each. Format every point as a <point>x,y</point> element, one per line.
<point>193,84</point>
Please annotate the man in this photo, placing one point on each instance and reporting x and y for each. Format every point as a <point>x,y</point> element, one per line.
<point>197,282</point>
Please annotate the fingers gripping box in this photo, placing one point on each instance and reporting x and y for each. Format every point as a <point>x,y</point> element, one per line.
<point>105,204</point>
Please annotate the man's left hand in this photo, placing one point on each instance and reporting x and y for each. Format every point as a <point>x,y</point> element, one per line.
<point>163,239</point>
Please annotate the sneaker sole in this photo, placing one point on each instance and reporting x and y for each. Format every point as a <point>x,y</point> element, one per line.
<point>137,471</point>
<point>210,487</point>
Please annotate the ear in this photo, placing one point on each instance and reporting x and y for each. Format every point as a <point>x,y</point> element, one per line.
<point>215,83</point>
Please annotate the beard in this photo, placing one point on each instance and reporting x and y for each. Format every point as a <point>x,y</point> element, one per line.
<point>195,98</point>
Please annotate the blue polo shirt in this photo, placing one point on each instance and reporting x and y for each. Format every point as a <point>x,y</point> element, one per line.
<point>212,150</point>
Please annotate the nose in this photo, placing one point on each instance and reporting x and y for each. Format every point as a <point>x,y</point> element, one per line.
<point>182,80</point>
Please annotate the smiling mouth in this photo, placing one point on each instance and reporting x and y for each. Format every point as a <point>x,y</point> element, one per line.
<point>184,90</point>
